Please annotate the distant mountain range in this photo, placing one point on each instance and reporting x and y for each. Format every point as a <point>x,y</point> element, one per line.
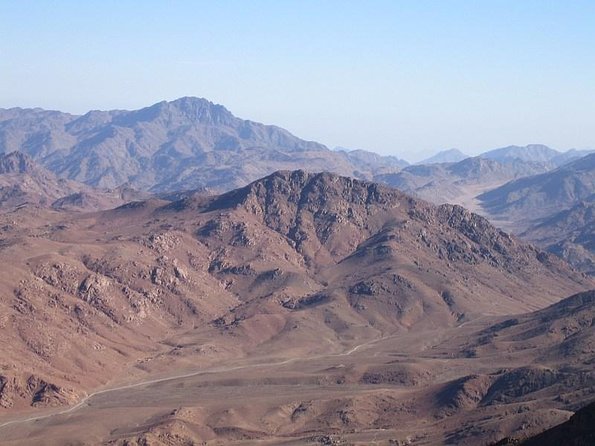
<point>101,158</point>
<point>534,153</point>
<point>184,144</point>
<point>570,234</point>
<point>538,196</point>
<point>458,182</point>
<point>370,161</point>
<point>193,143</point>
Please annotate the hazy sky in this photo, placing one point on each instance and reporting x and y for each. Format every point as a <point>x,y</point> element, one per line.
<point>397,77</point>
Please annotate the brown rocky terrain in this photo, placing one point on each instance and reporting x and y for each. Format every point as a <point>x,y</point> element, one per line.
<point>300,309</point>
<point>556,350</point>
<point>577,431</point>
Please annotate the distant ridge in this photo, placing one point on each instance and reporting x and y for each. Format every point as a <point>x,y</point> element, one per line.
<point>365,158</point>
<point>193,143</point>
<point>24,182</point>
<point>540,195</point>
<point>535,153</point>
<point>188,143</point>
<point>553,209</point>
<point>451,182</point>
<point>445,156</point>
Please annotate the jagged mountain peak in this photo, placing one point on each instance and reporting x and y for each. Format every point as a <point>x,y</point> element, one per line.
<point>199,109</point>
<point>321,191</point>
<point>17,162</point>
<point>304,188</point>
<point>185,110</point>
<point>309,207</point>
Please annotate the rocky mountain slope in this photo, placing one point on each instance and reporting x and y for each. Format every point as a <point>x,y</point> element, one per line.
<point>577,431</point>
<point>283,262</point>
<point>546,375</point>
<point>543,195</point>
<point>561,338</point>
<point>183,144</point>
<point>553,209</point>
<point>561,335</point>
<point>23,182</point>
<point>570,234</point>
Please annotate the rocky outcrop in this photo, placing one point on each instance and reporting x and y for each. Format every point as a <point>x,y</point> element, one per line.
<point>34,391</point>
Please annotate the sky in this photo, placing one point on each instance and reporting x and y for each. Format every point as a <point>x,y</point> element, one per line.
<point>407,78</point>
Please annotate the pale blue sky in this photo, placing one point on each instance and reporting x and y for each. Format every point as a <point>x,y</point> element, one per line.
<point>397,77</point>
